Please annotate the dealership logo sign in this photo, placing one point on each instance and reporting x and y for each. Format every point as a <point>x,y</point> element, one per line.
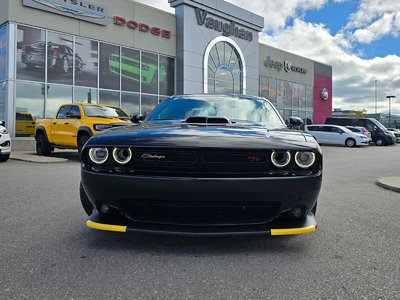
<point>286,65</point>
<point>82,10</point>
<point>132,24</point>
<point>227,29</point>
<point>324,94</point>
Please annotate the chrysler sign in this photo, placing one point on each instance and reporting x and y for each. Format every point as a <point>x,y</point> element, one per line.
<point>82,10</point>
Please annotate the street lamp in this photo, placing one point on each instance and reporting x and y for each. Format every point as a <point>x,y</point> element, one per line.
<point>376,98</point>
<point>390,108</point>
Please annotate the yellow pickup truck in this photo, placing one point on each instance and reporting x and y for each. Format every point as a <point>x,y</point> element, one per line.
<point>74,124</point>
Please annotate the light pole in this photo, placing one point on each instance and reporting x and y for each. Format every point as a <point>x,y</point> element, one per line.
<point>390,108</point>
<point>376,96</point>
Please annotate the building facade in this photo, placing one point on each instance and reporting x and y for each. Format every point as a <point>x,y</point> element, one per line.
<point>134,56</point>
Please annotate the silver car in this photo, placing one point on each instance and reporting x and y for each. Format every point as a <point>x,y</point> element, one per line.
<point>336,135</point>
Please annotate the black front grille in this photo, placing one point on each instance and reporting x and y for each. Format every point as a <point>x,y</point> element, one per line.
<point>201,214</point>
<point>201,162</point>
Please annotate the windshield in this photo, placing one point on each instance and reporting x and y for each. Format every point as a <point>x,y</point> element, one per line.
<point>239,109</point>
<point>378,124</point>
<point>105,112</point>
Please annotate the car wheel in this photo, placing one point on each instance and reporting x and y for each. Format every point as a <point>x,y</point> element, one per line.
<point>65,66</point>
<point>43,147</point>
<point>4,157</point>
<point>86,204</point>
<point>82,141</point>
<point>350,142</point>
<point>379,142</point>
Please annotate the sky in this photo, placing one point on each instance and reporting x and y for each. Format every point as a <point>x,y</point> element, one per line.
<point>359,39</point>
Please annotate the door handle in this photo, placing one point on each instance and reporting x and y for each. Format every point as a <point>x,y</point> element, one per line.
<point>54,123</point>
<point>66,123</point>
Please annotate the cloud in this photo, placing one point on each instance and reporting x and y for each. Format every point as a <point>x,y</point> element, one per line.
<point>373,20</point>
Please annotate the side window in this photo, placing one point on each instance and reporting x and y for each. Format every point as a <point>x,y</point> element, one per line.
<point>62,113</point>
<point>75,111</point>
<point>326,128</point>
<point>335,129</point>
<point>311,128</point>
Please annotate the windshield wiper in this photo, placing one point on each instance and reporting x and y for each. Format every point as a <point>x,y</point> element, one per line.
<point>164,119</point>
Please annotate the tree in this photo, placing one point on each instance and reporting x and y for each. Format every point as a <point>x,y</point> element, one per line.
<point>358,114</point>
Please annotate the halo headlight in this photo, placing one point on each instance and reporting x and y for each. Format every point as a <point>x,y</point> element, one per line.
<point>280,159</point>
<point>304,159</point>
<point>122,155</point>
<point>98,155</point>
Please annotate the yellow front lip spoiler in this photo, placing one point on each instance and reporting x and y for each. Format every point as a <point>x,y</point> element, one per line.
<point>106,227</point>
<point>274,232</point>
<point>293,231</point>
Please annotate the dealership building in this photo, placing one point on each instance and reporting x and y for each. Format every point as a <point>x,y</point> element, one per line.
<point>132,55</point>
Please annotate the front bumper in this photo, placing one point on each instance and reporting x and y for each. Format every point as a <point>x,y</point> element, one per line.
<point>123,225</point>
<point>196,195</point>
<point>5,144</point>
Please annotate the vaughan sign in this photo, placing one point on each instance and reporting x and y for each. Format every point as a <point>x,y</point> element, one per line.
<point>227,29</point>
<point>81,10</point>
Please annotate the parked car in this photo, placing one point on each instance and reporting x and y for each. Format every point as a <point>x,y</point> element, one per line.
<point>59,57</point>
<point>203,165</point>
<point>336,135</point>
<point>74,124</point>
<point>380,135</point>
<point>396,133</point>
<point>361,130</point>
<point>5,143</point>
<point>130,68</point>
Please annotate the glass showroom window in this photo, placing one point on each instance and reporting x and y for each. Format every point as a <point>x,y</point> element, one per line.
<point>29,106</point>
<point>225,69</point>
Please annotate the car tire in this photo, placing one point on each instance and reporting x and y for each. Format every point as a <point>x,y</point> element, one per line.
<point>4,157</point>
<point>43,147</point>
<point>350,142</point>
<point>82,141</point>
<point>379,142</point>
<point>86,204</point>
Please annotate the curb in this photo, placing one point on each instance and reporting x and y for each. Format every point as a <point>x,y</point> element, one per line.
<point>389,183</point>
<point>32,157</point>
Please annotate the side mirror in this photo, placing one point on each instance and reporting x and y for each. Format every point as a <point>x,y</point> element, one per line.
<point>295,122</point>
<point>3,123</point>
<point>137,118</point>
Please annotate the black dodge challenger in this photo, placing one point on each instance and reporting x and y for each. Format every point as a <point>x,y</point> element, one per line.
<point>203,165</point>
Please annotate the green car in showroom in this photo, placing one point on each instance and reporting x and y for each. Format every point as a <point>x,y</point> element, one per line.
<point>130,68</point>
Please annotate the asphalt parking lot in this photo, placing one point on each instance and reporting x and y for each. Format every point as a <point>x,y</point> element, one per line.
<point>46,252</point>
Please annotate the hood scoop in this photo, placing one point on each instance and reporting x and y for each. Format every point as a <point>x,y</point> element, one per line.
<point>207,120</point>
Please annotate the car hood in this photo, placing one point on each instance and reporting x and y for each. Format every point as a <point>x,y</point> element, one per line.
<point>193,136</point>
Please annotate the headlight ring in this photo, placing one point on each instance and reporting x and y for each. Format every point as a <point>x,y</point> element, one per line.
<point>122,155</point>
<point>98,155</point>
<point>304,159</point>
<point>281,159</point>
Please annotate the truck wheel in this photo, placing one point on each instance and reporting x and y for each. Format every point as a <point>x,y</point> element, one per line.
<point>4,157</point>
<point>82,141</point>
<point>86,204</point>
<point>43,147</point>
<point>379,142</point>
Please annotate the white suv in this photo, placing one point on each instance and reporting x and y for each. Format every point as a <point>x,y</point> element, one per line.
<point>5,143</point>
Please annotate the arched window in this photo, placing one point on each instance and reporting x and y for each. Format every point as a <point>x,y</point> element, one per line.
<point>224,68</point>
